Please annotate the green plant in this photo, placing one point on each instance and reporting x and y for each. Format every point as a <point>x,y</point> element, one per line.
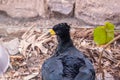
<point>104,34</point>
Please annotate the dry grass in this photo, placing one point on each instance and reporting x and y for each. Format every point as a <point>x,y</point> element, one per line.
<point>27,65</point>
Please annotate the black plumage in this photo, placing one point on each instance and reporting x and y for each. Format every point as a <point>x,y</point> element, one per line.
<point>68,63</point>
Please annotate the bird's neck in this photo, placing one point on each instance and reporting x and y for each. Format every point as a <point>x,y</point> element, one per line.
<point>64,42</point>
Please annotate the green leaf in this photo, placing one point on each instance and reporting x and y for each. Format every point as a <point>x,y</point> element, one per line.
<point>100,35</point>
<point>110,31</point>
<point>104,34</point>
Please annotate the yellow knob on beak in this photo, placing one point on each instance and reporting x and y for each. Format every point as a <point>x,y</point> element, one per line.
<point>52,32</point>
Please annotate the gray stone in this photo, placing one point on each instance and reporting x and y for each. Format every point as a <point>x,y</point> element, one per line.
<point>63,7</point>
<point>4,59</point>
<point>23,8</point>
<point>12,46</point>
<point>97,12</point>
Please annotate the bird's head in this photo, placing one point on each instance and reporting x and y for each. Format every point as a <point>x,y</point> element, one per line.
<point>61,29</point>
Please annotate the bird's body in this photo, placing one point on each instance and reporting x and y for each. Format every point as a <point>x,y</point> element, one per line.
<point>68,63</point>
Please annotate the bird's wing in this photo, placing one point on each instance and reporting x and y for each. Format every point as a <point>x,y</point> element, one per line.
<point>86,72</point>
<point>52,69</point>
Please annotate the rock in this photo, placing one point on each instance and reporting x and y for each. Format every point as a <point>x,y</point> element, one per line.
<point>12,46</point>
<point>23,8</point>
<point>4,59</point>
<point>61,7</point>
<point>16,31</point>
<point>97,12</point>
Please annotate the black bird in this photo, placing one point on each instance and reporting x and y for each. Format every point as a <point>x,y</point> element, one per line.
<point>68,63</point>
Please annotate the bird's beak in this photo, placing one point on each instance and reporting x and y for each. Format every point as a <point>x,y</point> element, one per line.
<point>49,33</point>
<point>52,32</point>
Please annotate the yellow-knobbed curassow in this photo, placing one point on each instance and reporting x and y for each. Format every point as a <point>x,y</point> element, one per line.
<point>67,63</point>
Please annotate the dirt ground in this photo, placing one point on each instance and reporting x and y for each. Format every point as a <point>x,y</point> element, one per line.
<point>29,68</point>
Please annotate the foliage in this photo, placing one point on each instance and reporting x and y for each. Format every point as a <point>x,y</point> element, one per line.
<point>104,34</point>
